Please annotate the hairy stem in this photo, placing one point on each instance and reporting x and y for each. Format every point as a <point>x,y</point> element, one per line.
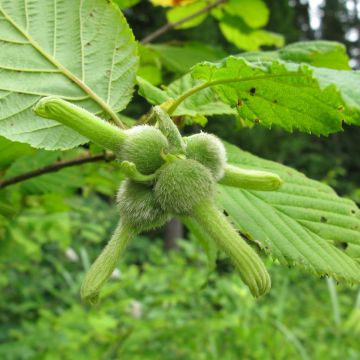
<point>207,84</point>
<point>105,264</point>
<point>82,121</point>
<point>131,171</point>
<point>250,179</point>
<point>250,266</point>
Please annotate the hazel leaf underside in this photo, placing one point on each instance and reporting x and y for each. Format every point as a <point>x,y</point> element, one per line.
<point>80,50</point>
<point>292,96</point>
<point>303,224</point>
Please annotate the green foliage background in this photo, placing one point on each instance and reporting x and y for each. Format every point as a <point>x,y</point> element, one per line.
<point>168,304</point>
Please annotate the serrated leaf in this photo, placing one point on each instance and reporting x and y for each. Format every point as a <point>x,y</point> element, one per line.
<point>204,103</point>
<point>292,96</point>
<point>80,50</point>
<point>304,223</point>
<point>319,53</point>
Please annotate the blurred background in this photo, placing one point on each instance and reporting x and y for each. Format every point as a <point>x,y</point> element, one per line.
<point>163,301</point>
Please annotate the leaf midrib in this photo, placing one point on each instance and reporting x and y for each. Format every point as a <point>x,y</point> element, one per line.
<point>65,71</point>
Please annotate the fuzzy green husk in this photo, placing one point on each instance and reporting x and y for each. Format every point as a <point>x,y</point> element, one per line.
<point>182,184</point>
<point>170,130</point>
<point>208,150</point>
<point>138,207</point>
<point>82,121</point>
<point>250,266</point>
<point>251,179</point>
<point>143,147</point>
<point>105,264</point>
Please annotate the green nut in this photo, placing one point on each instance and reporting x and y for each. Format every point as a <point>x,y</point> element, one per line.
<point>208,150</point>
<point>143,146</point>
<point>138,207</point>
<point>183,184</point>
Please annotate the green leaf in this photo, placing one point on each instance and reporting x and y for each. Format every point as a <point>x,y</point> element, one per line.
<point>302,224</point>
<point>80,50</point>
<point>292,96</point>
<point>254,13</point>
<point>10,151</point>
<point>205,103</point>
<point>180,12</point>
<point>327,54</point>
<point>151,93</point>
<point>237,32</point>
<point>124,4</point>
<point>150,73</point>
<point>150,65</point>
<point>206,241</point>
<point>182,57</point>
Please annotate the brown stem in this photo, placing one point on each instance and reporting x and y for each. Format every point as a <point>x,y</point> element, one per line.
<point>167,27</point>
<point>108,156</point>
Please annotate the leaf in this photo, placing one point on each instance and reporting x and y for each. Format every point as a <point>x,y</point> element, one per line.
<point>182,57</point>
<point>205,103</point>
<point>10,151</point>
<point>255,13</point>
<point>124,4</point>
<point>180,12</point>
<point>204,239</point>
<point>303,224</point>
<point>80,50</point>
<point>150,65</point>
<point>292,96</point>
<point>237,32</point>
<point>327,54</point>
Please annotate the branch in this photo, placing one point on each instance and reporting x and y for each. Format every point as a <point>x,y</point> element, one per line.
<point>107,156</point>
<point>167,27</point>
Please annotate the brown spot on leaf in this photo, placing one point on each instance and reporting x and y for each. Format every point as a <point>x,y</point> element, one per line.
<point>342,245</point>
<point>323,219</point>
<point>252,91</point>
<point>239,103</point>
